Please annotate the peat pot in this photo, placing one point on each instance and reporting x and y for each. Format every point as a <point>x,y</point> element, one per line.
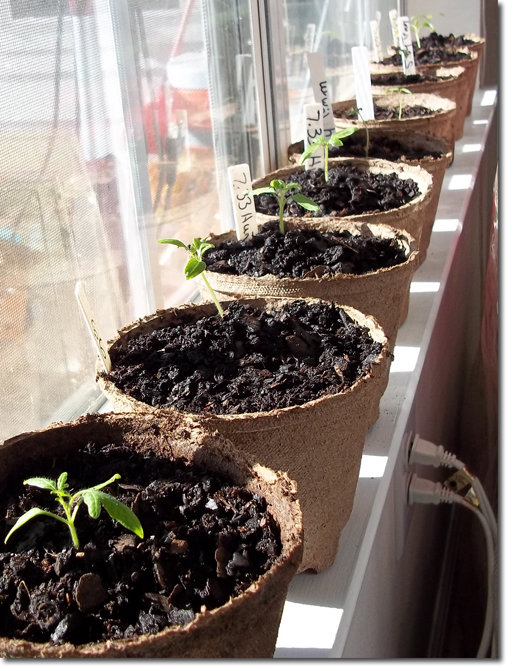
<point>439,122</point>
<point>383,293</point>
<point>433,154</point>
<point>412,217</point>
<point>450,83</point>
<point>318,443</point>
<point>244,626</point>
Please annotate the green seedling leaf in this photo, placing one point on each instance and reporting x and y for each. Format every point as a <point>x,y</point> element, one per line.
<point>310,150</point>
<point>26,517</point>
<point>172,241</point>
<point>345,132</point>
<point>292,185</point>
<point>121,513</point>
<point>335,142</point>
<point>193,268</point>
<point>62,481</point>
<point>92,501</point>
<point>115,477</point>
<point>42,483</point>
<point>260,191</point>
<point>277,184</point>
<point>306,203</point>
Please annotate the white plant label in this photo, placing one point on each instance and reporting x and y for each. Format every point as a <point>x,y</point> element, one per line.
<point>310,37</point>
<point>376,41</point>
<point>395,28</point>
<point>243,204</point>
<point>314,128</point>
<point>406,46</point>
<point>362,82</point>
<point>92,326</point>
<point>320,91</point>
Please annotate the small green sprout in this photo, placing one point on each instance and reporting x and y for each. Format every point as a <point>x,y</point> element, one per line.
<point>195,265</point>
<point>399,91</point>
<point>92,497</point>
<point>414,25</point>
<point>280,190</point>
<point>334,141</point>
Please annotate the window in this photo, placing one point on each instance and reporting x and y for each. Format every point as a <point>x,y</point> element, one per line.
<point>118,121</point>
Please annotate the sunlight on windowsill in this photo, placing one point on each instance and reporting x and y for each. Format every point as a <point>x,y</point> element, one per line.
<point>424,287</point>
<point>445,225</point>
<point>306,626</point>
<point>460,182</point>
<point>405,359</point>
<point>372,466</point>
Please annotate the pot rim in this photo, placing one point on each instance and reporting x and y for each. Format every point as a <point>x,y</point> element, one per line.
<point>225,454</point>
<point>368,321</point>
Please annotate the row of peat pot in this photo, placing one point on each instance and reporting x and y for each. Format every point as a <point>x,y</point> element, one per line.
<point>303,459</point>
<point>298,463</point>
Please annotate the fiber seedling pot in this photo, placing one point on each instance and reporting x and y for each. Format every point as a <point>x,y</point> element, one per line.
<point>436,161</point>
<point>319,444</point>
<point>440,122</point>
<point>451,83</point>
<point>384,294</point>
<point>246,625</point>
<point>470,66</point>
<point>411,217</point>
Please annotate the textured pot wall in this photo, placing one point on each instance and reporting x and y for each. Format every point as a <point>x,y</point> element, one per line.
<point>452,84</point>
<point>436,167</point>
<point>247,626</point>
<point>410,217</point>
<point>319,444</point>
<point>440,123</point>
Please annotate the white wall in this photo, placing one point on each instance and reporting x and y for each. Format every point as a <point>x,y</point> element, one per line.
<point>459,16</point>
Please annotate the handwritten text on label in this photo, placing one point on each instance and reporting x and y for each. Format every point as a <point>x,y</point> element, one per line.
<point>243,204</point>
<point>313,129</point>
<point>320,90</point>
<point>406,46</point>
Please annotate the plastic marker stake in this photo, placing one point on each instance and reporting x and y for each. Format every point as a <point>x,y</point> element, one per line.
<point>406,46</point>
<point>320,91</point>
<point>395,28</point>
<point>243,204</point>
<point>376,41</point>
<point>91,324</point>
<point>362,82</point>
<point>313,129</point>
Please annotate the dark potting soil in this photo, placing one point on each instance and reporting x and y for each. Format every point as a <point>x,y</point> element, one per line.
<point>445,41</point>
<point>304,253</point>
<point>348,191</point>
<point>247,361</point>
<point>430,55</point>
<point>383,113</point>
<point>400,79</point>
<point>205,541</point>
<point>380,146</point>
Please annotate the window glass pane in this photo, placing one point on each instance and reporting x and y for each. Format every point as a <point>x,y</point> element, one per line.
<point>331,27</point>
<point>59,218</point>
<point>117,123</point>
<point>194,70</point>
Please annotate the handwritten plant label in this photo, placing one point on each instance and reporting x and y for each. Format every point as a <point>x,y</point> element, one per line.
<point>92,326</point>
<point>362,82</point>
<point>314,128</point>
<point>244,210</point>
<point>395,28</point>
<point>406,46</point>
<point>320,91</point>
<point>376,41</point>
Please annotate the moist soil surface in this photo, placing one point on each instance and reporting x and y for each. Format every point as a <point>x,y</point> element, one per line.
<point>400,79</point>
<point>249,360</point>
<point>445,41</point>
<point>380,146</point>
<point>384,113</point>
<point>304,253</point>
<point>348,191</point>
<point>430,55</point>
<point>205,541</point>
